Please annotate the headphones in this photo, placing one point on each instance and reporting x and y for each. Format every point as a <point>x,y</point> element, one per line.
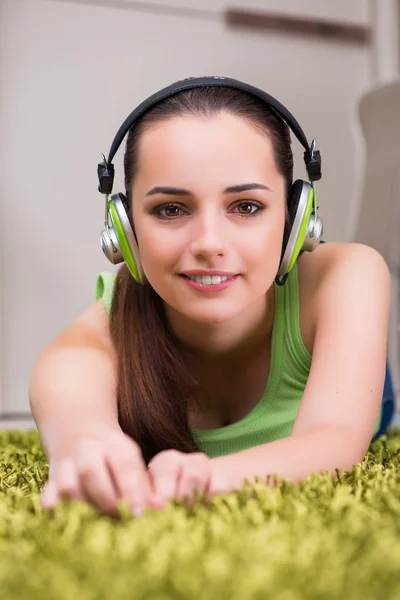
<point>302,233</point>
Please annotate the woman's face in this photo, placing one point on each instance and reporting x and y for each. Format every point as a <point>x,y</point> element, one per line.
<point>188,214</point>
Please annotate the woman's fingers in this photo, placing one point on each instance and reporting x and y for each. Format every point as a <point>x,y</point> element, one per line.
<point>100,472</point>
<point>179,475</point>
<point>128,470</point>
<point>50,496</point>
<point>102,475</point>
<point>68,484</point>
<point>94,477</point>
<point>194,477</point>
<point>63,482</point>
<point>164,470</point>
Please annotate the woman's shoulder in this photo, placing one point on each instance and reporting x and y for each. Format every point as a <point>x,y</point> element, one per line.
<point>315,269</point>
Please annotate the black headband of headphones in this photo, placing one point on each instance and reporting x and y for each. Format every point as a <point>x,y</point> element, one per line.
<point>105,170</point>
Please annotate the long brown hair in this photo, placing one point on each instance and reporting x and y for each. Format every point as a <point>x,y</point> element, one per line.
<point>154,383</point>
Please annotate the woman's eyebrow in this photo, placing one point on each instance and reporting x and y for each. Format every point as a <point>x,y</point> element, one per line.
<point>235,189</point>
<point>245,187</point>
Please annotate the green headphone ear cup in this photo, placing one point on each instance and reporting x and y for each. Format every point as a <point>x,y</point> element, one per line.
<point>303,228</point>
<point>117,207</point>
<point>293,203</point>
<point>301,202</point>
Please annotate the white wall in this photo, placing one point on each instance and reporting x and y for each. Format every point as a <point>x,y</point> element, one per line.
<point>72,70</point>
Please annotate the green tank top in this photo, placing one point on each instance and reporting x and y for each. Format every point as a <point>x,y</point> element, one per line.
<point>274,415</point>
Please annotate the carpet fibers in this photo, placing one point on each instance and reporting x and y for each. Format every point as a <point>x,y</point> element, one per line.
<point>320,540</point>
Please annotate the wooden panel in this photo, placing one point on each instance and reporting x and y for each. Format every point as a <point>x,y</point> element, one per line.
<point>328,30</point>
<point>355,12</point>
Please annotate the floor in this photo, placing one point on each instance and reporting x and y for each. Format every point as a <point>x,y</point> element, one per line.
<point>17,424</point>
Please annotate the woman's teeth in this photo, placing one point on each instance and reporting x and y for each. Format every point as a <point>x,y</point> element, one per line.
<point>208,280</point>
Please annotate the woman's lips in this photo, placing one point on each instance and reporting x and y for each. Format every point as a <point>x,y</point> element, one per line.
<point>216,287</point>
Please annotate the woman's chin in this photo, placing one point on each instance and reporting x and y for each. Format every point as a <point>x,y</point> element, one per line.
<point>210,317</point>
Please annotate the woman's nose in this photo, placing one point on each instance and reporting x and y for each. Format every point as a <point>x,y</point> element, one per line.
<point>207,236</point>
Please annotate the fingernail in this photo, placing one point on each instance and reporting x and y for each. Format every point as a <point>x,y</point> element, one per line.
<point>156,501</point>
<point>48,498</point>
<point>137,511</point>
<point>165,489</point>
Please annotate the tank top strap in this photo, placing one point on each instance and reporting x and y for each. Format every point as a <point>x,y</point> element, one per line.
<point>289,306</point>
<point>105,288</point>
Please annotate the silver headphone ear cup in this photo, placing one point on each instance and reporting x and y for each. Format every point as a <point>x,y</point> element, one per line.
<point>110,246</point>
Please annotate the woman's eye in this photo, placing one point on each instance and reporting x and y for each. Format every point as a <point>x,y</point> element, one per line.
<point>171,211</point>
<point>247,206</point>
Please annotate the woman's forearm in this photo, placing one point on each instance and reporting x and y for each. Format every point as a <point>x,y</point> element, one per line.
<point>72,392</point>
<point>294,457</point>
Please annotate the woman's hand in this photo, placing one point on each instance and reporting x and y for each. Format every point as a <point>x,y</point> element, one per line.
<point>98,468</point>
<point>180,475</point>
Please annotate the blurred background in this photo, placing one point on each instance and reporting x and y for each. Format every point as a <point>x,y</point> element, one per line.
<point>72,70</point>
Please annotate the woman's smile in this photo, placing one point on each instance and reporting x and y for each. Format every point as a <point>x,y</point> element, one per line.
<point>206,283</point>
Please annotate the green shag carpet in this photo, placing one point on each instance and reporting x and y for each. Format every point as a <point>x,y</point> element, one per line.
<point>322,540</point>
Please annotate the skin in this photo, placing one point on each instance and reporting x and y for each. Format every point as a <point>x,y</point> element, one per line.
<point>212,230</point>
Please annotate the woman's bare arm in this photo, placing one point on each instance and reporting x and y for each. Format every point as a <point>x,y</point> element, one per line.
<point>343,395</point>
<point>345,385</point>
<point>73,382</point>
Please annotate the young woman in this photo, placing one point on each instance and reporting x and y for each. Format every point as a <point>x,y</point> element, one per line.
<point>213,356</point>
